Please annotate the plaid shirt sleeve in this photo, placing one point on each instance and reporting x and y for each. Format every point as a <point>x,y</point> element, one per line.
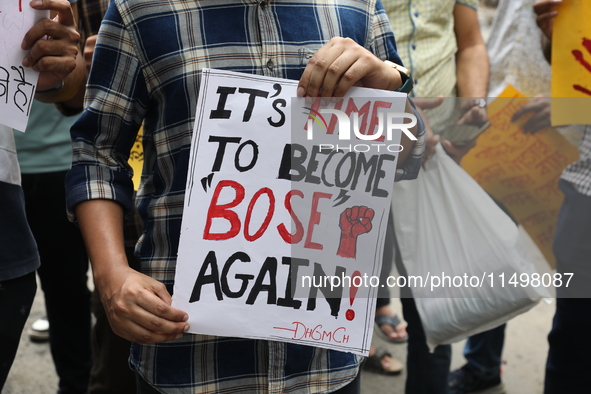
<point>117,101</point>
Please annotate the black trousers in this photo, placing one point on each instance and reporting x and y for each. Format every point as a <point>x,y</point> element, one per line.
<point>16,298</point>
<point>63,277</point>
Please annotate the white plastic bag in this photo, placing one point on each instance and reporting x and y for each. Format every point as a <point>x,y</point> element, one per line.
<point>447,226</point>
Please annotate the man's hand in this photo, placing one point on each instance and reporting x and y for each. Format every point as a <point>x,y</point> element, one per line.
<point>89,51</point>
<point>475,112</point>
<point>546,14</point>
<point>539,109</point>
<point>139,308</point>
<point>54,57</point>
<point>343,63</point>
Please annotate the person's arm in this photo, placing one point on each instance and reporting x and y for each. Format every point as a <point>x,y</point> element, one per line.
<point>545,15</point>
<point>472,71</point>
<point>472,64</point>
<point>100,190</point>
<point>53,46</point>
<point>138,307</point>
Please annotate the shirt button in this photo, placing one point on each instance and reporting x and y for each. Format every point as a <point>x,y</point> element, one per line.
<point>413,46</point>
<point>416,81</point>
<point>270,64</point>
<point>416,14</point>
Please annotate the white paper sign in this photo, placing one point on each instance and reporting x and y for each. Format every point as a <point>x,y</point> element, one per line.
<point>270,214</point>
<point>17,83</point>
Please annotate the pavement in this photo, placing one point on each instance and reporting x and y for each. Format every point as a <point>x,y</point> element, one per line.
<point>523,373</point>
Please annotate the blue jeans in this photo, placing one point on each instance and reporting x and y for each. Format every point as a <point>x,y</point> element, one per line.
<point>569,357</point>
<point>483,352</point>
<point>64,264</point>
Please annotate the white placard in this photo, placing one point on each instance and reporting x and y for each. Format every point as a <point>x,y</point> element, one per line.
<point>17,83</point>
<point>266,208</point>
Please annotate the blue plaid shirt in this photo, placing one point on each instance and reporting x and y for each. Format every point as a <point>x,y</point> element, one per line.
<point>147,66</point>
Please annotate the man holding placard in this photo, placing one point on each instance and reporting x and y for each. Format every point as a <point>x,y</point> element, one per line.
<point>147,67</point>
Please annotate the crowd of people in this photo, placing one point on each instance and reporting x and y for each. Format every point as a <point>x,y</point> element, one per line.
<point>106,70</point>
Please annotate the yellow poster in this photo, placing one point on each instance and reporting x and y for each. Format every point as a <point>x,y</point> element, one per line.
<point>571,64</point>
<point>136,160</point>
<point>522,170</point>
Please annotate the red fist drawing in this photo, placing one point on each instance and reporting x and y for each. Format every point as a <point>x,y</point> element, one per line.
<point>354,222</point>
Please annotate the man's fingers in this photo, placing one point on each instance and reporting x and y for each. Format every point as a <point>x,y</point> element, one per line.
<point>334,68</point>
<point>474,115</point>
<point>537,105</point>
<point>158,304</point>
<point>52,29</point>
<point>51,48</point>
<point>544,6</point>
<point>545,19</point>
<point>339,75</point>
<point>137,333</point>
<point>350,77</point>
<point>89,51</point>
<point>313,75</point>
<point>154,322</point>
<point>62,7</point>
<point>536,123</point>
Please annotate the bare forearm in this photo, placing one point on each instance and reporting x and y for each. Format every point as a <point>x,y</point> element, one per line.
<point>473,71</point>
<point>101,223</point>
<point>472,65</point>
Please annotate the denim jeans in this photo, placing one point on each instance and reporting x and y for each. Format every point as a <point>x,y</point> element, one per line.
<point>63,277</point>
<point>569,357</point>
<point>483,352</point>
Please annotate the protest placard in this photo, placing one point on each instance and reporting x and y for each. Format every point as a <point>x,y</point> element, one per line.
<point>571,64</point>
<point>17,83</point>
<point>273,207</point>
<point>522,170</point>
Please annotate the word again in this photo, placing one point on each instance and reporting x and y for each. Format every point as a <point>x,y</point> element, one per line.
<point>233,282</point>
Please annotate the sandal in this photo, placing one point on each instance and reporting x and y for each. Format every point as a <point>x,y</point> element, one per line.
<point>392,321</point>
<point>374,363</point>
